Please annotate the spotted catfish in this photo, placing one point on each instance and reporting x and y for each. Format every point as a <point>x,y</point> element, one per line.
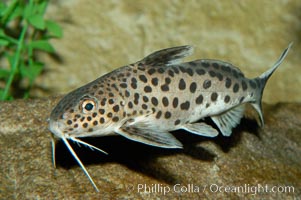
<point>146,100</point>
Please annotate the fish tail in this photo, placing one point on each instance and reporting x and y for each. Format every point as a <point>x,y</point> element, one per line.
<point>262,80</point>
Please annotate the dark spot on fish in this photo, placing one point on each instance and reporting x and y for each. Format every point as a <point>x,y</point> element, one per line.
<point>89,118</point>
<point>95,123</point>
<point>253,84</point>
<point>177,122</point>
<point>182,84</point>
<point>227,99</point>
<point>165,101</point>
<point>85,125</point>
<point>103,102</point>
<point>115,119</point>
<point>244,85</point>
<point>192,87</point>
<point>145,98</point>
<point>235,88</point>
<point>185,105</point>
<point>228,82</point>
<point>158,115</point>
<point>215,65</point>
<point>130,104</point>
<point>205,64</point>
<point>167,115</point>
<point>134,85</point>
<point>225,68</point>
<point>111,101</point>
<point>101,111</point>
<point>116,108</point>
<point>207,105</point>
<point>123,85</point>
<point>176,70</point>
<point>170,73</point>
<point>127,93</point>
<point>212,73</point>
<point>206,84</point>
<point>235,74</point>
<point>143,78</point>
<point>189,71</point>
<point>200,71</point>
<point>154,101</point>
<point>219,76</point>
<point>214,96</point>
<point>193,64</point>
<point>147,89</point>
<point>165,87</point>
<point>155,81</point>
<point>175,102</point>
<point>167,80</point>
<point>151,71</point>
<point>141,66</point>
<point>69,122</point>
<point>241,99</point>
<point>101,120</point>
<point>199,99</point>
<point>109,114</point>
<point>144,106</point>
<point>182,69</point>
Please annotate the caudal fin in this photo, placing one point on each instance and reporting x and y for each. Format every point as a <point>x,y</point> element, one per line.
<point>262,80</point>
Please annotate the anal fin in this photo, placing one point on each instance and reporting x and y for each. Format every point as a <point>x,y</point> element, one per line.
<point>147,135</point>
<point>229,119</point>
<point>202,129</point>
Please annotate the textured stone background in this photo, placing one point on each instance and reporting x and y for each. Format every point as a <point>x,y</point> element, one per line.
<point>103,35</point>
<point>269,156</point>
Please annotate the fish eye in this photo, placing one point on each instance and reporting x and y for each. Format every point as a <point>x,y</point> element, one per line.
<point>87,105</point>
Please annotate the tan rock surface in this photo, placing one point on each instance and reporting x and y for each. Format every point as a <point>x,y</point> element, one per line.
<point>103,35</point>
<point>251,157</point>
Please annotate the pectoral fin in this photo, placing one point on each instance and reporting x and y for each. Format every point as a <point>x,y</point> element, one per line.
<point>229,119</point>
<point>202,129</point>
<point>149,136</point>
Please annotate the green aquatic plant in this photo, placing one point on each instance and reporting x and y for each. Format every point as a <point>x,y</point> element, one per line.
<point>23,33</point>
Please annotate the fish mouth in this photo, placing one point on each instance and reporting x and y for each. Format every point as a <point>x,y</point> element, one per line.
<point>55,128</point>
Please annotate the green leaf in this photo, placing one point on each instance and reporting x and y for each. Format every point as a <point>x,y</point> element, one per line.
<point>41,45</point>
<point>17,12</point>
<point>3,42</point>
<point>37,21</point>
<point>31,71</point>
<point>41,7</point>
<point>2,34</point>
<point>4,73</point>
<point>54,29</point>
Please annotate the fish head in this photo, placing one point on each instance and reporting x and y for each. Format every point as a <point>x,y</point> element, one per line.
<point>80,114</point>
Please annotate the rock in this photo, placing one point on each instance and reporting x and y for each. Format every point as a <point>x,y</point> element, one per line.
<point>102,36</point>
<point>252,159</point>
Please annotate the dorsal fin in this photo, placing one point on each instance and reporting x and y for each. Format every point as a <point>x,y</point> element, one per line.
<point>168,56</point>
